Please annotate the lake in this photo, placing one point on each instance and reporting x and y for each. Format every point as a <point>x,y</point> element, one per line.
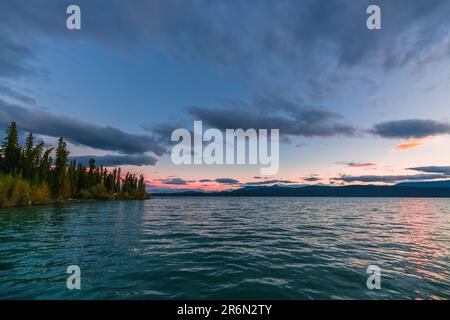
<point>228,248</point>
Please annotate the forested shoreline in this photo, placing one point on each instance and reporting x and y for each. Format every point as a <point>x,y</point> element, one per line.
<point>29,175</point>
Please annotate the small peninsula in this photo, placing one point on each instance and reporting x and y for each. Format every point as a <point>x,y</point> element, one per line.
<point>29,175</point>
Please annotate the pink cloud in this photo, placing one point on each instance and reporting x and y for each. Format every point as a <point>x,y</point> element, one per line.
<point>412,143</point>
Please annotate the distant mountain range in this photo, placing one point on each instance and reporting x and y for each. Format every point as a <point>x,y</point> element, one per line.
<point>437,189</point>
<point>427,184</point>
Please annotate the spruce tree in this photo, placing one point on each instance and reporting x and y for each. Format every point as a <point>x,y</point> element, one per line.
<point>61,181</point>
<point>28,158</point>
<point>141,184</point>
<point>11,150</point>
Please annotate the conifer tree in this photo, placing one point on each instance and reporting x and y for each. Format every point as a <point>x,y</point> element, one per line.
<point>61,181</point>
<point>28,158</point>
<point>11,150</point>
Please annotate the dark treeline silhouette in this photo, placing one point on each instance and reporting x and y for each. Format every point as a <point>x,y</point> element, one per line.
<point>29,175</point>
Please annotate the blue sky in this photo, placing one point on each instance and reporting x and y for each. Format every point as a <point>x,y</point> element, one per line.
<point>138,69</point>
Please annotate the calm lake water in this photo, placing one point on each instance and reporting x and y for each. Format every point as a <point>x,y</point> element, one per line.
<point>220,248</point>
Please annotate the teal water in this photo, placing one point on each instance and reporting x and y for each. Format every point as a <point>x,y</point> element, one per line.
<point>221,248</point>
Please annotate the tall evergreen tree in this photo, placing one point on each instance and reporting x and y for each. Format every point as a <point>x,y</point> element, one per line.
<point>43,170</point>
<point>11,150</point>
<point>28,158</point>
<point>61,181</point>
<point>141,184</point>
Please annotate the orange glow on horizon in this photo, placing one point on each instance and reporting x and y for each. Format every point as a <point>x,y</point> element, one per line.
<point>158,183</point>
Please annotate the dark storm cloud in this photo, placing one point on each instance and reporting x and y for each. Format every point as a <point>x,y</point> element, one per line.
<point>226,181</point>
<point>411,128</point>
<point>433,169</point>
<point>76,131</point>
<point>388,178</point>
<point>118,160</point>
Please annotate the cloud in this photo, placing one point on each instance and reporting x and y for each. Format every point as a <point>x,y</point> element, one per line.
<point>267,182</point>
<point>430,173</point>
<point>360,164</point>
<point>433,169</point>
<point>388,178</point>
<point>302,38</point>
<point>118,160</point>
<point>226,181</point>
<point>176,181</point>
<point>162,132</point>
<point>16,95</point>
<point>300,33</point>
<point>412,143</point>
<point>271,111</point>
<point>24,25</point>
<point>292,118</point>
<point>76,131</point>
<point>410,129</point>
<point>297,29</point>
<point>311,179</point>
<point>14,57</point>
<point>205,180</point>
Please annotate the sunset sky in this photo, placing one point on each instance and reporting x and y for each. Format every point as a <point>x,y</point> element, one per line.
<point>353,105</point>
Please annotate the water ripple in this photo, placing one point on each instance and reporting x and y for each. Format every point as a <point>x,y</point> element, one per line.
<point>219,248</point>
